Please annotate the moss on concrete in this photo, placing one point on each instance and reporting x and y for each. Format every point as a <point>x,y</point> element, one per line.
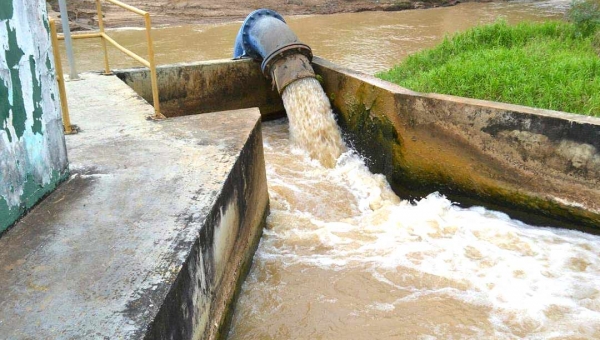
<point>367,132</point>
<point>430,166</point>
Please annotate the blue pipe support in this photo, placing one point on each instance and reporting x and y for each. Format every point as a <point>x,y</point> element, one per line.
<point>265,36</point>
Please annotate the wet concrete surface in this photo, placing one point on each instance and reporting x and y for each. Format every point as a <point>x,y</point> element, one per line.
<point>156,218</point>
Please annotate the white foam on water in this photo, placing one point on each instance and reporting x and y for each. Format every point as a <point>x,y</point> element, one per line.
<point>536,283</point>
<point>527,275</point>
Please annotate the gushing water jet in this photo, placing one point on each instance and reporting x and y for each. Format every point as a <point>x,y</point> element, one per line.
<point>265,36</point>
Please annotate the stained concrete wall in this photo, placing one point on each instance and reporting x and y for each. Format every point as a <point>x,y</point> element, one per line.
<point>538,165</point>
<point>208,86</point>
<point>33,157</point>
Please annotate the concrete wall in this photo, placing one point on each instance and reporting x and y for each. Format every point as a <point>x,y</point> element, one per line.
<point>33,157</point>
<point>538,165</point>
<point>209,86</point>
<point>200,302</point>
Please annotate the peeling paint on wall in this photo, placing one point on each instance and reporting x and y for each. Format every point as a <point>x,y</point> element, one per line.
<point>33,159</point>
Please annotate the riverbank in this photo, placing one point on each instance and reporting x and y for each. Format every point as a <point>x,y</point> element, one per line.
<point>82,13</point>
<point>544,65</point>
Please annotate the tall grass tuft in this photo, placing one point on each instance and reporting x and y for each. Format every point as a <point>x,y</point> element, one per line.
<point>545,65</point>
<point>585,15</point>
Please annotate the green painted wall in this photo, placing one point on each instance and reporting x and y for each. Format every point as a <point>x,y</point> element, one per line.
<point>33,159</point>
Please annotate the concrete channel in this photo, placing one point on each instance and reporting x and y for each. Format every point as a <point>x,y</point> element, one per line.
<point>152,234</point>
<point>540,166</point>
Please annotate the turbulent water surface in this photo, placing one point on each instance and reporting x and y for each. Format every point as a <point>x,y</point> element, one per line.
<point>312,126</point>
<point>344,258</point>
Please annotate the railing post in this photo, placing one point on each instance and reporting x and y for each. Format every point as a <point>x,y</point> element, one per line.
<point>101,27</point>
<point>64,18</point>
<point>153,76</point>
<point>60,79</point>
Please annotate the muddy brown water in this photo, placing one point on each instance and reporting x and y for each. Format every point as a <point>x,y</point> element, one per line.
<point>343,257</point>
<point>366,41</point>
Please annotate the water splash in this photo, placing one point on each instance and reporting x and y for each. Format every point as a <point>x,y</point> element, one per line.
<point>343,257</point>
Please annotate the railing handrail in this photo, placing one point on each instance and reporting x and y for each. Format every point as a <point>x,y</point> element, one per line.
<point>150,63</point>
<point>128,7</point>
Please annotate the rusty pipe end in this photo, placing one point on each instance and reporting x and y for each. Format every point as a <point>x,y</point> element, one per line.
<point>288,69</point>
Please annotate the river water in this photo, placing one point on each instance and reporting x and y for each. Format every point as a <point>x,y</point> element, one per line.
<point>366,41</point>
<point>343,257</point>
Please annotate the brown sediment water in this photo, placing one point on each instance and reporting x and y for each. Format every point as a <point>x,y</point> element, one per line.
<point>366,41</point>
<point>344,258</point>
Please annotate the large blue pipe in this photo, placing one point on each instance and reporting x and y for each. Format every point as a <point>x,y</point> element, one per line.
<point>265,36</point>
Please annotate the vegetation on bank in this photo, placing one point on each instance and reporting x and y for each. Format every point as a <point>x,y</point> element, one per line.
<point>552,65</point>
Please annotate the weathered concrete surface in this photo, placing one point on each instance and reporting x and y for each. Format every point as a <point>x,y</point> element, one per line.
<point>33,159</point>
<point>150,235</point>
<point>208,86</point>
<point>540,166</point>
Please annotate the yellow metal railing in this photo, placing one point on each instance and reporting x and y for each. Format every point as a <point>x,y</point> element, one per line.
<point>102,34</point>
<point>60,79</point>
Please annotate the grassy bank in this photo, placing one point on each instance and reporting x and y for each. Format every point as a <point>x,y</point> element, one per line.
<point>547,65</point>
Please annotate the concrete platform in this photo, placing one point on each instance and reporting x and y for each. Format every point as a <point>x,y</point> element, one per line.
<point>153,231</point>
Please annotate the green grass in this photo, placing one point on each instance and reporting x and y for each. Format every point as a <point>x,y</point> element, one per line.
<point>544,65</point>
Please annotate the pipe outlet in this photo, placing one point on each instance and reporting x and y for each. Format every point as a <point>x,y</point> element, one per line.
<point>265,36</point>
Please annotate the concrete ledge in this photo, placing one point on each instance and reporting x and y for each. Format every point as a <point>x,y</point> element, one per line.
<point>151,235</point>
<point>192,88</point>
<point>540,166</point>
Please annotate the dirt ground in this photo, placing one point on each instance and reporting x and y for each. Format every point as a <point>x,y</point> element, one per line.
<point>82,13</point>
